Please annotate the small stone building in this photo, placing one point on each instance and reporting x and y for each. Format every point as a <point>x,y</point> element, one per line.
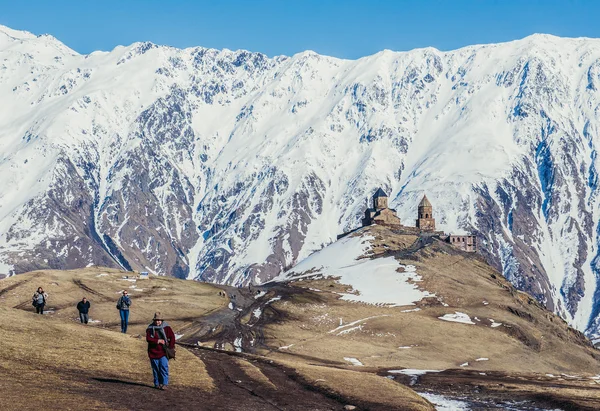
<point>380,213</point>
<point>425,220</point>
<point>464,242</point>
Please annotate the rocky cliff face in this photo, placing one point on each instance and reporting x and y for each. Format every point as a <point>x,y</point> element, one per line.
<point>230,166</point>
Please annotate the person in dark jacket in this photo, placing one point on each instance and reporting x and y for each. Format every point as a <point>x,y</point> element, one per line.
<point>123,306</point>
<point>39,300</point>
<point>83,307</point>
<point>159,334</point>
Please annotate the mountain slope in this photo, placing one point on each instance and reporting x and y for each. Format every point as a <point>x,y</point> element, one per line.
<point>230,166</point>
<point>376,290</point>
<point>419,311</point>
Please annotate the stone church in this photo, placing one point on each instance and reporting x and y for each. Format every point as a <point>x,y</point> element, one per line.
<point>381,214</point>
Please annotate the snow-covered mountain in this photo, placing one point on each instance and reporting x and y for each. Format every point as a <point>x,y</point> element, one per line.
<point>230,166</point>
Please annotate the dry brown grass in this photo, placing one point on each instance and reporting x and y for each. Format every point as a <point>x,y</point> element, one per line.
<point>56,362</point>
<point>55,359</point>
<point>254,373</point>
<point>532,340</point>
<point>179,301</point>
<point>365,386</point>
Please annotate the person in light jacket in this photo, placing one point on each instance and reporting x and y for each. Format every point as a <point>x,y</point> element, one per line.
<point>39,300</point>
<point>123,306</point>
<point>83,307</point>
<point>159,334</point>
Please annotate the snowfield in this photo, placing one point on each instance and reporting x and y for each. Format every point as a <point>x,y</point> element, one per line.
<point>373,281</point>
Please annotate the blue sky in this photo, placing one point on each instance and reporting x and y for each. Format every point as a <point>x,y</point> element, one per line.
<point>347,29</point>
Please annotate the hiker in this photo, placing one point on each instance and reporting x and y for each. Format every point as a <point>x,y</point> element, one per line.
<point>158,335</point>
<point>123,307</point>
<point>39,300</point>
<point>83,307</point>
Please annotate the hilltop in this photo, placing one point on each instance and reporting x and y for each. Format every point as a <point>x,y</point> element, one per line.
<point>385,301</point>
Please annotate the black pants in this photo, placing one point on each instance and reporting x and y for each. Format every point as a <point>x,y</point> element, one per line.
<point>39,309</point>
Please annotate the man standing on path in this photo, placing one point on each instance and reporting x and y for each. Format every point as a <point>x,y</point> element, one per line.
<point>83,307</point>
<point>123,307</point>
<point>158,335</point>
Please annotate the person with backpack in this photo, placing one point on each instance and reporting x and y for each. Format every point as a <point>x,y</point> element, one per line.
<point>39,300</point>
<point>83,307</point>
<point>123,307</point>
<point>161,347</point>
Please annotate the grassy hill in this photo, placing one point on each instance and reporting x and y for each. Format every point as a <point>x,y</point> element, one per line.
<point>361,323</point>
<point>179,301</point>
<point>55,361</point>
<point>504,331</point>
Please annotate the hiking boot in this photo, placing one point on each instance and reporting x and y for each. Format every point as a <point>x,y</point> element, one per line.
<point>163,387</point>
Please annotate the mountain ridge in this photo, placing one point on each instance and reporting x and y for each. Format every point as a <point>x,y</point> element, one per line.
<point>230,166</point>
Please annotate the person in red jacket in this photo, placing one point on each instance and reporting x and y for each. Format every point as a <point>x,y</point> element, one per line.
<point>159,334</point>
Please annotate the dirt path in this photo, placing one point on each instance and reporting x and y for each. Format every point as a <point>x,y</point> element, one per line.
<point>238,326</point>
<point>101,297</point>
<point>278,389</point>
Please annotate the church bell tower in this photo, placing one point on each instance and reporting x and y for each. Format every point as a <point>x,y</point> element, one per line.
<point>425,220</point>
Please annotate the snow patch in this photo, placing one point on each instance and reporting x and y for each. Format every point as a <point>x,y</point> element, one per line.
<point>412,371</point>
<point>237,344</point>
<point>354,361</point>
<point>444,403</point>
<point>373,281</point>
<point>494,324</point>
<point>457,317</point>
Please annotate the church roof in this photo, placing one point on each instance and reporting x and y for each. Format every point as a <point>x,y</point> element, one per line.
<point>379,193</point>
<point>424,202</point>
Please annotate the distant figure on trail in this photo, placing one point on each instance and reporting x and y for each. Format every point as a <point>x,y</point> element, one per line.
<point>39,300</point>
<point>123,307</point>
<point>83,307</point>
<point>159,335</point>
